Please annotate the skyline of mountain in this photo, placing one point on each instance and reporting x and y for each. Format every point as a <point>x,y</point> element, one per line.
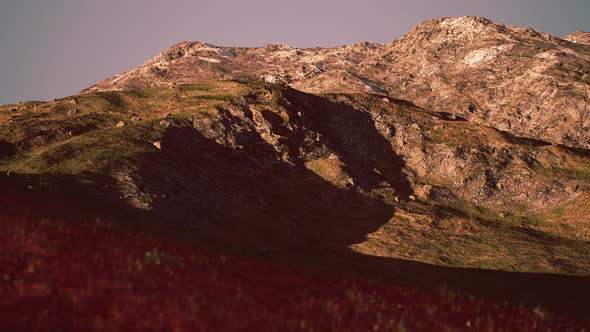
<point>53,49</point>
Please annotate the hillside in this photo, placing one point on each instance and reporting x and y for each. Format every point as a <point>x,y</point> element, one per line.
<point>454,158</point>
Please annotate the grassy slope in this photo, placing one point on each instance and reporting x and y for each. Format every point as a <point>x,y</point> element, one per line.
<point>52,141</point>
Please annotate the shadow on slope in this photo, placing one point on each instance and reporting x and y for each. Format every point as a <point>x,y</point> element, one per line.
<point>367,155</point>
<point>287,214</point>
<point>7,149</point>
<point>60,196</point>
<point>253,197</point>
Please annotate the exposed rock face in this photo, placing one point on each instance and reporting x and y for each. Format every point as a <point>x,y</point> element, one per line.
<point>514,79</point>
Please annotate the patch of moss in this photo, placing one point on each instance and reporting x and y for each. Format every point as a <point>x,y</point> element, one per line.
<point>226,97</point>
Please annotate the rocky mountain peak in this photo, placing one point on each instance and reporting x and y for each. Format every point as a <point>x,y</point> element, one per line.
<point>465,28</point>
<point>471,29</point>
<point>515,79</point>
<point>579,37</point>
<point>185,49</point>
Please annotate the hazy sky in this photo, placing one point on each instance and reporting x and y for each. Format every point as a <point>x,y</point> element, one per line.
<point>54,48</point>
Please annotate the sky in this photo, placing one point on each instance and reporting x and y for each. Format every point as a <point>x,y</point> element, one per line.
<point>55,48</point>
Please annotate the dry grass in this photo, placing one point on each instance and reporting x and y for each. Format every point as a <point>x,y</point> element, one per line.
<point>329,169</point>
<point>498,244</point>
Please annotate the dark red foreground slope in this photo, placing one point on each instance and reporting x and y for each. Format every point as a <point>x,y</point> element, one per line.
<point>75,276</point>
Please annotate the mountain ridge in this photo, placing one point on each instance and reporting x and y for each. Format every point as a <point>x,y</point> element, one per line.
<point>514,79</point>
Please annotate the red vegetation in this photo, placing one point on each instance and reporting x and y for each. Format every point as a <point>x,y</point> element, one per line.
<point>66,274</point>
<point>69,276</point>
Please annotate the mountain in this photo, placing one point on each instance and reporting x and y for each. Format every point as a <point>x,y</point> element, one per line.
<point>452,157</point>
<point>514,79</point>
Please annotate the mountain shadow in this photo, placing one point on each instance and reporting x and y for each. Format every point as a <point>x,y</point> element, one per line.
<point>229,200</point>
<point>61,197</point>
<point>368,157</point>
<point>248,198</point>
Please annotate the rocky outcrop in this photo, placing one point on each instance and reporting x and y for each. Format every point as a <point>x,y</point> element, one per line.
<point>514,79</point>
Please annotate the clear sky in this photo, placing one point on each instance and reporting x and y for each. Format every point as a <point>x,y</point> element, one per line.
<point>54,48</point>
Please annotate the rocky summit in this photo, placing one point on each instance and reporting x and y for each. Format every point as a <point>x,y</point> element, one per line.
<point>452,157</point>
<point>513,79</point>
